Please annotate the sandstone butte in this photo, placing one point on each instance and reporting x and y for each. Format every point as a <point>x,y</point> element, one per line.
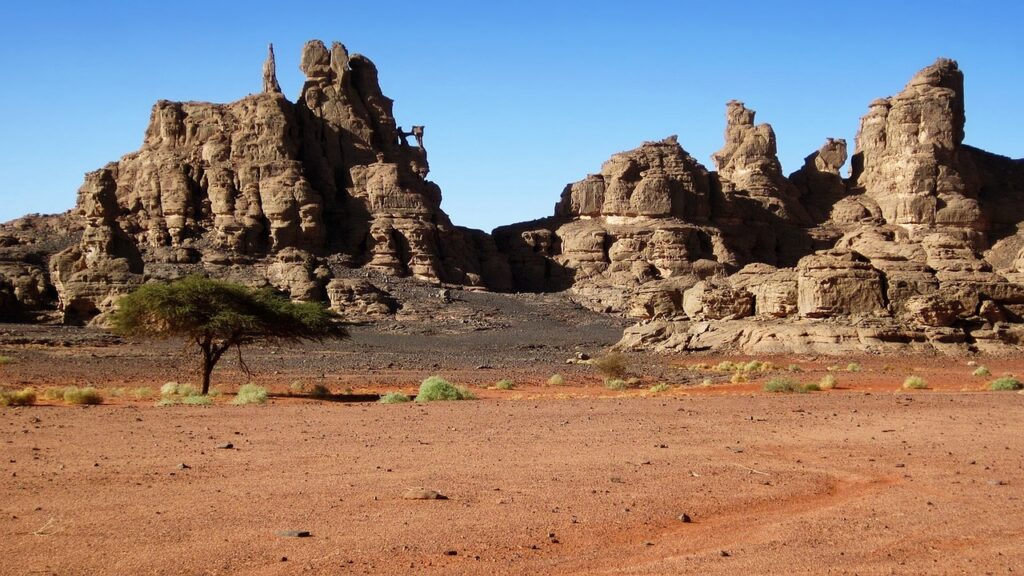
<point>920,248</point>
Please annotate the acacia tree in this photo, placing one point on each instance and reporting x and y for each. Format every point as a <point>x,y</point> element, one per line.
<point>215,316</point>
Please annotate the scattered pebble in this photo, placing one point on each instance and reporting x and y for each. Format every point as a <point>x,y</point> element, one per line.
<point>685,518</point>
<point>422,494</point>
<point>226,446</point>
<point>294,534</point>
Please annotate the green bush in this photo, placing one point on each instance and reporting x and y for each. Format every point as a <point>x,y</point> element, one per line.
<point>724,366</point>
<point>197,400</point>
<point>175,389</point>
<point>853,367</point>
<point>505,385</point>
<point>296,388</point>
<point>394,398</point>
<point>827,382</point>
<point>612,364</point>
<point>914,383</point>
<point>250,394</point>
<point>794,368</point>
<point>436,388</point>
<point>787,385</point>
<point>660,387</point>
<point>6,360</point>
<point>53,394</point>
<point>981,372</point>
<point>143,392</point>
<point>87,395</point>
<point>24,397</point>
<point>556,380</point>
<point>1005,383</point>
<point>615,384</point>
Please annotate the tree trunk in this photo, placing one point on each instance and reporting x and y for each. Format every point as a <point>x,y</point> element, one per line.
<point>207,367</point>
<point>212,351</point>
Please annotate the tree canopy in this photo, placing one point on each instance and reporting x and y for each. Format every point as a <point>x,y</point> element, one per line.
<point>217,315</point>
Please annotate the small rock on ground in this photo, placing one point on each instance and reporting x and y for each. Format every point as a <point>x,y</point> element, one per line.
<point>423,494</point>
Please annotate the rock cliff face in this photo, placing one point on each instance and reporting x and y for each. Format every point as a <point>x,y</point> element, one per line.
<point>264,191</point>
<point>921,247</point>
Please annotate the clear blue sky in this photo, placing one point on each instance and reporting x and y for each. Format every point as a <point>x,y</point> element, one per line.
<point>519,98</point>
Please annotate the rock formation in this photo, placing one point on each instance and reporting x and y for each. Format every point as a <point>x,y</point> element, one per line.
<point>921,247</point>
<point>263,191</point>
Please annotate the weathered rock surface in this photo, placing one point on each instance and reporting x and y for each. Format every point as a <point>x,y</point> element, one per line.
<point>921,247</point>
<point>263,191</point>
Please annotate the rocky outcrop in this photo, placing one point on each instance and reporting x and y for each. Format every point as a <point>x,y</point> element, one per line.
<point>359,299</point>
<point>907,249</point>
<point>921,247</point>
<point>268,192</point>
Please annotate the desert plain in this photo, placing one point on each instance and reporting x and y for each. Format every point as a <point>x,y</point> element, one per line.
<point>704,476</point>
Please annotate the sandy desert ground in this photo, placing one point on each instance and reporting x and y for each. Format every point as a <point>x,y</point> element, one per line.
<point>540,479</point>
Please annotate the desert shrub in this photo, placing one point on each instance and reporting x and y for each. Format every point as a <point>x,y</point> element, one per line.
<point>436,388</point>
<point>168,401</point>
<point>914,383</point>
<point>612,364</point>
<point>250,394</point>
<point>698,367</point>
<point>117,392</point>
<point>827,382</point>
<point>175,389</point>
<point>505,384</point>
<point>24,397</point>
<point>87,395</point>
<point>296,388</point>
<point>768,367</point>
<point>143,392</point>
<point>197,400</point>
<point>615,384</point>
<point>556,380</point>
<point>6,360</point>
<point>853,367</point>
<point>738,378</point>
<point>981,371</point>
<point>785,385</point>
<point>811,387</point>
<point>53,394</point>
<point>794,368</point>
<point>394,398</point>
<point>707,383</point>
<point>724,366</point>
<point>660,387</point>
<point>320,391</point>
<point>833,368</point>
<point>752,366</point>
<point>1005,383</point>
